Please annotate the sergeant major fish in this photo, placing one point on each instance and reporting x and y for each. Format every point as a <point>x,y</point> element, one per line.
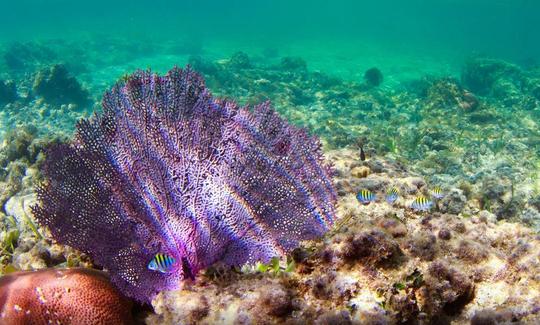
<point>162,263</point>
<point>365,196</point>
<point>421,203</point>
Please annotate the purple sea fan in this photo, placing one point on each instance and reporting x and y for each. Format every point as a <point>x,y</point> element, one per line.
<point>168,169</point>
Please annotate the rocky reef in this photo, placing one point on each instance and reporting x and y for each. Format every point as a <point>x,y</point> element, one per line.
<point>382,264</point>
<point>472,258</point>
<point>56,86</point>
<point>438,126</point>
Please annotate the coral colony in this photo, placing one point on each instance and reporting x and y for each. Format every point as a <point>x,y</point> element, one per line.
<point>167,170</point>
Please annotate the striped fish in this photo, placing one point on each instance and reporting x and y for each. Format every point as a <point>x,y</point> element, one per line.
<point>437,192</point>
<point>162,263</point>
<point>421,203</point>
<point>365,196</point>
<point>392,195</point>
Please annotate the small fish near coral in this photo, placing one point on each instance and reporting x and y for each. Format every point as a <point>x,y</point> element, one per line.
<point>365,196</point>
<point>168,168</point>
<point>421,203</point>
<point>437,192</point>
<point>162,263</point>
<point>392,195</point>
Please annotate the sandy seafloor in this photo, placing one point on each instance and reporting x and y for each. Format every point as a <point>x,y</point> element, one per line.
<point>469,126</point>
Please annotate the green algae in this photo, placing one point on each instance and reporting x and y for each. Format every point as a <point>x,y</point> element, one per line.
<point>10,241</point>
<point>275,267</point>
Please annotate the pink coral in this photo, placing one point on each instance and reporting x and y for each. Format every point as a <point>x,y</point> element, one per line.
<point>68,296</point>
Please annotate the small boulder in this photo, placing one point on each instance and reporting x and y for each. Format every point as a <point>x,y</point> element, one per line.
<point>480,74</point>
<point>360,172</point>
<point>58,87</point>
<point>373,77</point>
<point>240,60</point>
<point>453,202</point>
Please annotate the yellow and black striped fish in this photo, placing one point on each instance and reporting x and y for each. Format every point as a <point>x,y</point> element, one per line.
<point>421,203</point>
<point>162,263</point>
<point>437,192</point>
<point>365,196</point>
<point>392,194</point>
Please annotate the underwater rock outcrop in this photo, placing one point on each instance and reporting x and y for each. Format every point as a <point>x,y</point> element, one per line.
<point>57,86</point>
<point>481,74</point>
<point>239,61</point>
<point>168,169</point>
<point>55,296</point>
<point>447,92</point>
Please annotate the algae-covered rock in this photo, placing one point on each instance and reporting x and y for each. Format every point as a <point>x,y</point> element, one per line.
<point>453,202</point>
<point>57,87</point>
<point>240,60</point>
<point>18,206</point>
<point>16,145</point>
<point>360,171</point>
<point>534,87</point>
<point>531,216</point>
<point>206,67</point>
<point>480,74</point>
<point>13,182</point>
<point>373,77</point>
<point>448,93</point>
<point>483,117</point>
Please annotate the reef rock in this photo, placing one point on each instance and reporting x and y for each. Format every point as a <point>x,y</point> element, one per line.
<point>453,202</point>
<point>373,77</point>
<point>57,87</point>
<point>481,74</point>
<point>240,60</point>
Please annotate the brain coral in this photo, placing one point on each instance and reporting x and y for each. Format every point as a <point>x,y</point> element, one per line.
<point>71,296</point>
<point>166,168</point>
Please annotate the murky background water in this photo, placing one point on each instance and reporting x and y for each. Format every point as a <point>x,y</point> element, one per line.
<point>340,37</point>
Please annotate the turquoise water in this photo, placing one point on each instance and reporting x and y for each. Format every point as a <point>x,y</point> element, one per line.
<point>341,37</point>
